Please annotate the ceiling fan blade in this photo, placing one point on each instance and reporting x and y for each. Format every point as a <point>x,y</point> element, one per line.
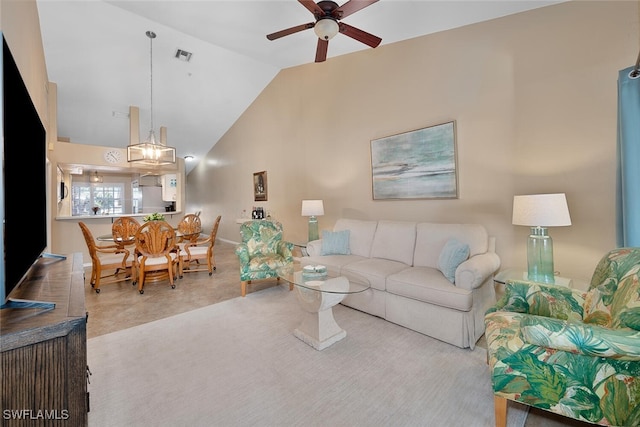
<point>350,7</point>
<point>321,51</point>
<point>361,36</point>
<point>313,7</point>
<point>291,30</point>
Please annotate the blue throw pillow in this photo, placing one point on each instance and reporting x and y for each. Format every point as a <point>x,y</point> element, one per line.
<point>452,255</point>
<point>335,243</point>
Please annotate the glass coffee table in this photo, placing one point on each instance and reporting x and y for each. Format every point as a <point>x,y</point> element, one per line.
<point>317,293</point>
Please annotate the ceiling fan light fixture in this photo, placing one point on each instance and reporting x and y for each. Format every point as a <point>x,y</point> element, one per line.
<point>326,28</point>
<point>328,22</point>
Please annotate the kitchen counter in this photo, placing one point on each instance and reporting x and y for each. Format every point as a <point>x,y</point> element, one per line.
<point>138,215</point>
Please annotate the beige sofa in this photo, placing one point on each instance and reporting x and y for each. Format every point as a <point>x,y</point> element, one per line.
<point>401,262</point>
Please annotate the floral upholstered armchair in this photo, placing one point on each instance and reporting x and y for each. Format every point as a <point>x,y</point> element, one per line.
<point>262,251</point>
<point>575,353</point>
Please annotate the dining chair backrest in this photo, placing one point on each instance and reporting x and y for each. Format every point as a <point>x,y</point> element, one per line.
<point>211,240</point>
<point>214,230</point>
<point>124,230</point>
<point>156,250</point>
<point>155,239</point>
<point>199,250</point>
<point>88,238</point>
<point>190,227</point>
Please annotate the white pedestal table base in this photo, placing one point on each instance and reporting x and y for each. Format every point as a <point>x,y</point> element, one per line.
<point>318,328</point>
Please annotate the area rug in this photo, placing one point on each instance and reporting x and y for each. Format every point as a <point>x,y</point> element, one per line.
<point>237,363</point>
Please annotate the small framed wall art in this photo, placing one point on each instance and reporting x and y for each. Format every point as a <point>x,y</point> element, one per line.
<point>420,164</point>
<point>260,186</point>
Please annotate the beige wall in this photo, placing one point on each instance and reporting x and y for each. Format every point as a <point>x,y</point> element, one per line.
<point>20,25</point>
<point>534,100</point>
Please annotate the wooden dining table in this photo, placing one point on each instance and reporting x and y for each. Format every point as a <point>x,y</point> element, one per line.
<point>109,237</point>
<point>151,276</point>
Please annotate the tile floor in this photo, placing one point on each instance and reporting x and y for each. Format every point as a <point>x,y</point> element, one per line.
<point>120,306</point>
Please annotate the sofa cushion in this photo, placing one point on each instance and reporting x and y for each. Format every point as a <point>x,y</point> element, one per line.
<point>360,234</point>
<point>452,255</point>
<point>375,270</point>
<point>335,242</point>
<point>395,240</point>
<point>429,285</point>
<point>431,238</point>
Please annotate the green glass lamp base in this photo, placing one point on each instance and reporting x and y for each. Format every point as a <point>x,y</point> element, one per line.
<point>540,256</point>
<point>313,228</point>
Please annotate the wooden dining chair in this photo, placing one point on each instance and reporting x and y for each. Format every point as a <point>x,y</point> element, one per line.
<point>189,228</point>
<point>193,252</point>
<point>124,231</point>
<point>156,251</point>
<point>105,258</point>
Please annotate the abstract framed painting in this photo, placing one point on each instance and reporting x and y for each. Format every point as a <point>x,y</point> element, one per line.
<point>419,164</point>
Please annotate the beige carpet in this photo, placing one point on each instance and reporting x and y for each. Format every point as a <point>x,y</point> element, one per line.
<point>237,363</point>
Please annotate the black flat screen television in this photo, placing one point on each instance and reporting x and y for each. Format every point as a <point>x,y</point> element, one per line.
<point>24,179</point>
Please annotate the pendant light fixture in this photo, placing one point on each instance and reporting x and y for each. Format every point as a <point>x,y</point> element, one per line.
<point>95,178</point>
<point>151,152</point>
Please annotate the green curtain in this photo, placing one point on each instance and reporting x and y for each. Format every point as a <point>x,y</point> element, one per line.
<point>628,151</point>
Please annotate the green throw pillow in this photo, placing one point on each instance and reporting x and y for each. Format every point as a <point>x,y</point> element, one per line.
<point>335,243</point>
<point>452,255</point>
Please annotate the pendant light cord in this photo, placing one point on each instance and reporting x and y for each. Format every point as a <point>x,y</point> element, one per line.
<point>150,152</point>
<point>151,36</point>
<point>151,75</point>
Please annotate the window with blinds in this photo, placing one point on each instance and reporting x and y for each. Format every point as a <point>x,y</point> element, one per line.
<point>97,199</point>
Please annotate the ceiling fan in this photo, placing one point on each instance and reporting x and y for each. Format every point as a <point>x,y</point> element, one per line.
<point>328,15</point>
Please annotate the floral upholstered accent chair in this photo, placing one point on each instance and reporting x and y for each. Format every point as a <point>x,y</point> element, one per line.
<point>262,251</point>
<point>575,353</point>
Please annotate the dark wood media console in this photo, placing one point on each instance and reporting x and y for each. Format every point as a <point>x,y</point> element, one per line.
<point>44,352</point>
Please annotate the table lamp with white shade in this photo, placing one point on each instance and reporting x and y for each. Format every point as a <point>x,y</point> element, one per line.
<point>312,209</point>
<point>540,211</point>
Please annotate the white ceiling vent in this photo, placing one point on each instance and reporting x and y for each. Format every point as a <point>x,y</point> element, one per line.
<point>183,55</point>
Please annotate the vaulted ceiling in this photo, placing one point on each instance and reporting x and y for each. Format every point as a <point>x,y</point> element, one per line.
<point>99,56</point>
